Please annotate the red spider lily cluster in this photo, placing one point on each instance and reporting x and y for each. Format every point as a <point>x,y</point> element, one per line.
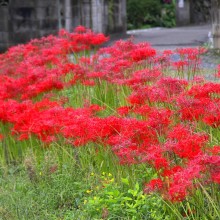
<point>160,125</point>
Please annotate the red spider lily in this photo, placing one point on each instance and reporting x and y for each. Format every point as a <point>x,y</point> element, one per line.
<point>143,76</point>
<point>143,52</point>
<point>180,186</point>
<point>206,90</point>
<point>180,65</point>
<point>216,177</point>
<point>154,185</point>
<point>174,184</point>
<point>192,108</point>
<point>171,171</point>
<point>124,110</point>
<point>215,150</point>
<point>191,53</point>
<point>143,110</point>
<point>184,143</point>
<point>88,82</point>
<point>164,90</point>
<point>154,156</point>
<point>212,120</point>
<point>163,60</point>
<point>38,66</point>
<point>158,119</point>
<point>80,29</point>
<point>190,58</point>
<point>172,86</point>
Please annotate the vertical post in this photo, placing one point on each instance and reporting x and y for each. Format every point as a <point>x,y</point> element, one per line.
<point>215,16</point>
<point>124,15</point>
<point>59,14</point>
<point>182,12</point>
<point>97,15</point>
<point>68,15</point>
<point>4,27</point>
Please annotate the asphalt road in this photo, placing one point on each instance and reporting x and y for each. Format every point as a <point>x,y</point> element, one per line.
<point>171,38</point>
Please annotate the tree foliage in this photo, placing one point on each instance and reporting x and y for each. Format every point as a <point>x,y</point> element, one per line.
<point>148,13</point>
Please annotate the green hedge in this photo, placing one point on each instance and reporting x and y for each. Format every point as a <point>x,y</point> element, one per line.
<point>150,13</point>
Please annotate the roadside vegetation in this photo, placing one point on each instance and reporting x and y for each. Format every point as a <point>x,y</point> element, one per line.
<point>120,132</point>
<point>150,13</point>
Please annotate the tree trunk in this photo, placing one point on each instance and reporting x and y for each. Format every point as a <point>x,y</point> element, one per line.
<point>215,16</point>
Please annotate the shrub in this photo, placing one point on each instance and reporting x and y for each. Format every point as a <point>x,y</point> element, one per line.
<point>148,13</point>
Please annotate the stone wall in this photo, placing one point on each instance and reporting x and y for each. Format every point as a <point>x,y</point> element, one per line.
<point>106,16</point>
<point>27,19</point>
<point>4,35</point>
<point>193,12</point>
<point>22,20</point>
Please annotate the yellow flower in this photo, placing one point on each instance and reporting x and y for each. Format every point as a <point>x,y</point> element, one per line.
<point>85,201</point>
<point>112,180</point>
<point>88,191</point>
<point>109,174</point>
<point>92,174</point>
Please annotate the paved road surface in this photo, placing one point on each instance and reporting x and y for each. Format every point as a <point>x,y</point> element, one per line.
<point>171,38</point>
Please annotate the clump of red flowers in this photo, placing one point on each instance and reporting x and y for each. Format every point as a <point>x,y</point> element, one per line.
<point>158,126</point>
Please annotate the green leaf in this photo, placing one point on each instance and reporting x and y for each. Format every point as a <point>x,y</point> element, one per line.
<point>127,198</point>
<point>125,181</point>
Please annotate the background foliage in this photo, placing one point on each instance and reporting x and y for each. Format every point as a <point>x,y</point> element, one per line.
<point>150,13</point>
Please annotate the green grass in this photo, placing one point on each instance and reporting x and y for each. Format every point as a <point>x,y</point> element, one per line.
<point>55,183</point>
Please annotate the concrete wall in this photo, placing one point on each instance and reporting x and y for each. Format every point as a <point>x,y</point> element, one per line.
<point>22,20</point>
<point>182,12</point>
